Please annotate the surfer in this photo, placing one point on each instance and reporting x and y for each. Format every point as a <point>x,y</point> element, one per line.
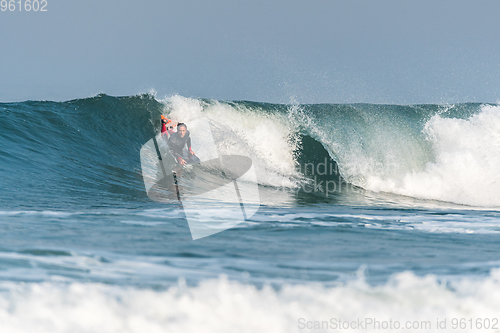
<point>178,140</point>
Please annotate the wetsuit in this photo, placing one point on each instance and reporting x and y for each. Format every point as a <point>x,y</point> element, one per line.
<point>176,144</point>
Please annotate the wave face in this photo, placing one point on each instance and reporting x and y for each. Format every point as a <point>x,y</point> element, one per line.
<point>86,151</point>
<point>72,153</point>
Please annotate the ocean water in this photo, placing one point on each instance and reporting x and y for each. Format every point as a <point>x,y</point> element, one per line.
<point>372,218</point>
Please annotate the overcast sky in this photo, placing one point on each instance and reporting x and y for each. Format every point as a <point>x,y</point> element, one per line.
<point>311,51</point>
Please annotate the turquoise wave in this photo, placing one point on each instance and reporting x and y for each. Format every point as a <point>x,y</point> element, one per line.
<point>86,151</point>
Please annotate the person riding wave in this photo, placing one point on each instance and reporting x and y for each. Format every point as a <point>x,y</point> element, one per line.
<point>178,140</point>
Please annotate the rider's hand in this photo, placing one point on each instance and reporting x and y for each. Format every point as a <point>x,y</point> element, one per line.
<point>182,161</point>
<point>191,152</point>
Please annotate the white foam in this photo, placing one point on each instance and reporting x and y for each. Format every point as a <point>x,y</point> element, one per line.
<point>465,170</point>
<point>431,223</point>
<point>222,306</point>
<point>142,223</point>
<point>161,213</point>
<point>45,213</point>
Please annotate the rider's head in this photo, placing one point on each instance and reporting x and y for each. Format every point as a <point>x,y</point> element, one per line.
<point>181,129</point>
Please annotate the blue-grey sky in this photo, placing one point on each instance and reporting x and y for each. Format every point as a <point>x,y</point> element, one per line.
<point>306,51</point>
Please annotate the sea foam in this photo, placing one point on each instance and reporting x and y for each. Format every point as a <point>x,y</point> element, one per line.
<point>467,155</point>
<point>222,305</point>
